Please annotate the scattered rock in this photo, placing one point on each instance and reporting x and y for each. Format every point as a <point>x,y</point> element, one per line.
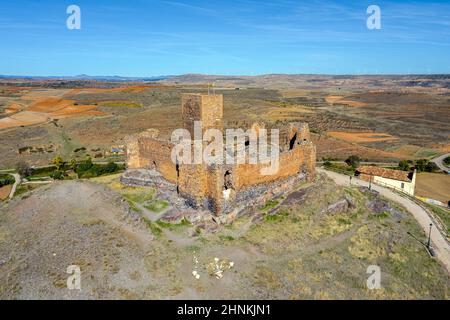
<point>296,197</point>
<point>257,218</point>
<point>208,226</point>
<point>343,205</point>
<point>379,207</point>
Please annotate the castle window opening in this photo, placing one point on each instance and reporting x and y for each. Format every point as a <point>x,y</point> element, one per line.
<point>228,184</point>
<point>293,141</point>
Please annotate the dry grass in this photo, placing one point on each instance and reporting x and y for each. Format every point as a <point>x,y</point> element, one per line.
<point>359,137</point>
<point>433,185</point>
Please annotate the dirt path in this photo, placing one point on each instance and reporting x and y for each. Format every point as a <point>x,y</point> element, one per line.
<point>439,243</point>
<point>13,190</point>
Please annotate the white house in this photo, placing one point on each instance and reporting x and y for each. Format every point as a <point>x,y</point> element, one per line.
<point>399,180</point>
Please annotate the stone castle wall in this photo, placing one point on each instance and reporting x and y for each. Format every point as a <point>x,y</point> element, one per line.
<point>222,188</point>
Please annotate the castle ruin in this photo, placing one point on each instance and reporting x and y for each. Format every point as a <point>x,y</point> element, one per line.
<point>221,189</point>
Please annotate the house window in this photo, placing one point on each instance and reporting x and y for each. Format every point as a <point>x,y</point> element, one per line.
<point>403,185</point>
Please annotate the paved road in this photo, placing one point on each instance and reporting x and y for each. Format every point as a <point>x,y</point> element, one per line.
<point>13,190</point>
<point>439,162</point>
<point>439,244</point>
<point>381,164</point>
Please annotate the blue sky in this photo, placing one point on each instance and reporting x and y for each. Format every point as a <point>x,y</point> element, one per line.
<point>149,38</point>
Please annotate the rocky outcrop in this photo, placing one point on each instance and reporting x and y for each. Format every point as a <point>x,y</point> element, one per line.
<point>344,205</point>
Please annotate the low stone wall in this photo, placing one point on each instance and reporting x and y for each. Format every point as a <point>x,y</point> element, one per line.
<point>257,195</point>
<point>147,178</point>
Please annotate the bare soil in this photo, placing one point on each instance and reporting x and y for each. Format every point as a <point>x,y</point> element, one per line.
<point>299,252</point>
<point>409,115</point>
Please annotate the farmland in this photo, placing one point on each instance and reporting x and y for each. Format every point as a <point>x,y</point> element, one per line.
<point>379,118</point>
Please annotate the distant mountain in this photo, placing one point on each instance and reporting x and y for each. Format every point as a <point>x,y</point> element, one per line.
<point>88,77</point>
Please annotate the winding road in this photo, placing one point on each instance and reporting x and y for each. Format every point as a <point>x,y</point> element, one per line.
<point>439,243</point>
<point>439,161</point>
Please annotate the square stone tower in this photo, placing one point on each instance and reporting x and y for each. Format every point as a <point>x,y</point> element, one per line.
<point>207,108</point>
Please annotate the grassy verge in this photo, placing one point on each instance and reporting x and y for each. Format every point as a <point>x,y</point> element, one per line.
<point>280,215</point>
<point>157,206</point>
<point>140,196</point>
<point>270,204</point>
<point>443,214</point>
<point>172,226</point>
<point>340,168</point>
<point>23,189</point>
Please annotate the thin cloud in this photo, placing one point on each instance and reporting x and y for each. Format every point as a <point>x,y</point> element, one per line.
<point>190,7</point>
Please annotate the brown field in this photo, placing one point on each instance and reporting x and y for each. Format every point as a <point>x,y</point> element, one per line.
<point>13,108</point>
<point>361,136</point>
<point>342,100</point>
<point>328,147</point>
<point>5,191</point>
<point>41,109</point>
<point>395,117</point>
<point>433,185</point>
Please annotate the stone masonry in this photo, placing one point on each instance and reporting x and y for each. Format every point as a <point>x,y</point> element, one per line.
<point>221,189</point>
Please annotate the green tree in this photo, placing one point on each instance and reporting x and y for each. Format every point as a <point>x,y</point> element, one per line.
<point>73,164</point>
<point>24,169</point>
<point>421,165</point>
<point>111,167</point>
<point>447,161</point>
<point>404,165</point>
<point>353,161</point>
<point>58,162</point>
<point>84,166</point>
<point>58,175</point>
<point>431,167</point>
<point>6,179</point>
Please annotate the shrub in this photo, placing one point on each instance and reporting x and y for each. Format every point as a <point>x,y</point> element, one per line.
<point>58,175</point>
<point>404,165</point>
<point>421,165</point>
<point>353,161</point>
<point>83,167</point>
<point>23,169</point>
<point>431,167</point>
<point>6,179</point>
<point>447,161</point>
<point>58,162</point>
<point>87,169</point>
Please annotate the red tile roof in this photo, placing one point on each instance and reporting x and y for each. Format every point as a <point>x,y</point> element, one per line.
<point>385,173</point>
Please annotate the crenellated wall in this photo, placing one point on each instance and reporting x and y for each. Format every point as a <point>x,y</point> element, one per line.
<point>221,188</point>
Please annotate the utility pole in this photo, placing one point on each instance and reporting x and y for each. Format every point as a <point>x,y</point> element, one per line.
<point>429,237</point>
<point>370,182</point>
